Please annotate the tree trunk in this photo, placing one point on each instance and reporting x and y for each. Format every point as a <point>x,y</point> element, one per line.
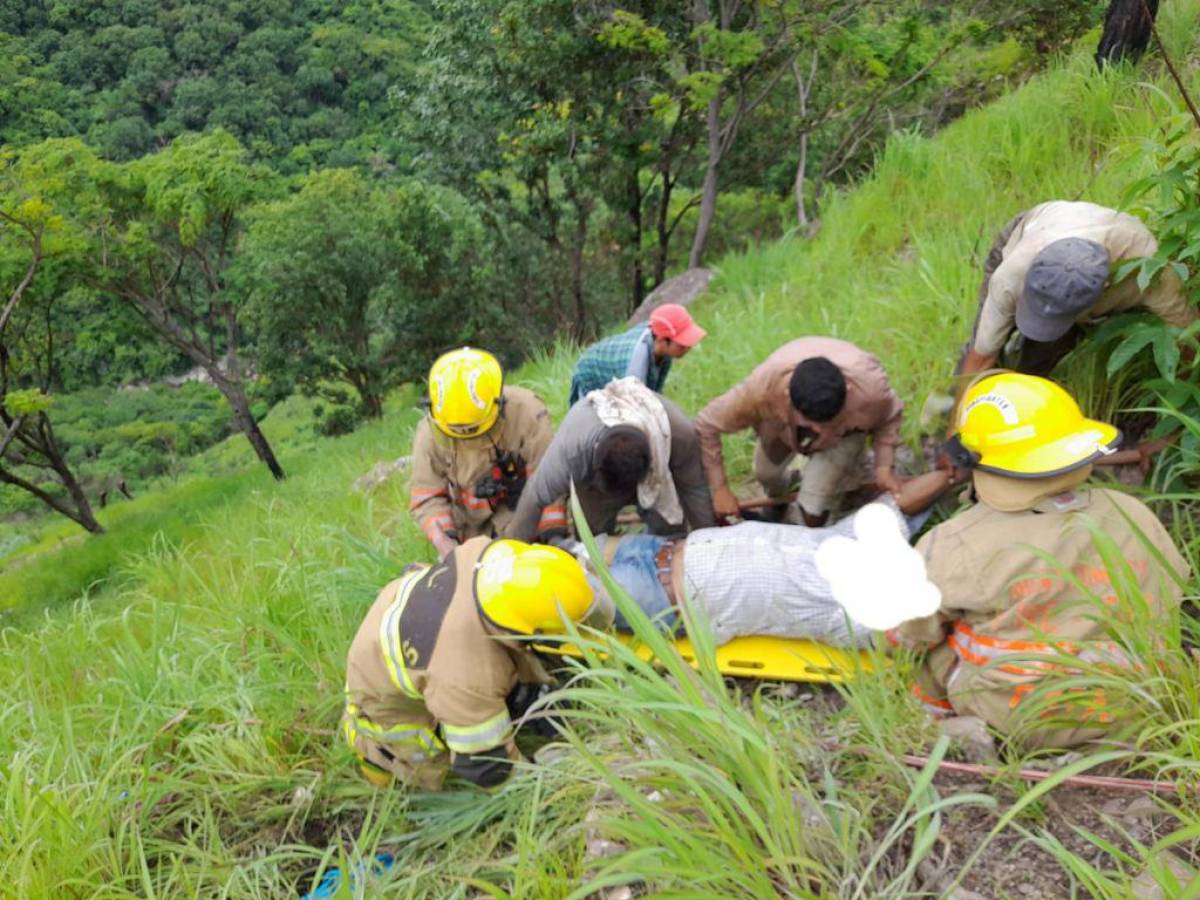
<point>798,185</point>
<point>708,194</point>
<point>83,518</point>
<point>803,88</point>
<point>583,213</point>
<point>63,470</point>
<point>662,226</point>
<point>1126,31</point>
<point>633,199</point>
<point>235,395</point>
<point>39,438</point>
<point>580,329</point>
<point>372,402</point>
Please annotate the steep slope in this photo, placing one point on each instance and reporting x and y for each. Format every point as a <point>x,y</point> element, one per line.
<point>173,734</point>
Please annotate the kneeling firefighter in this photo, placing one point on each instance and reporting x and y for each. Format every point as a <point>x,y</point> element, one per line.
<point>433,673</point>
<point>1033,610</point>
<point>474,451</point>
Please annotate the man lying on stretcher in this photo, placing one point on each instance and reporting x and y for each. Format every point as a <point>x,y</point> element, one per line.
<point>753,578</point>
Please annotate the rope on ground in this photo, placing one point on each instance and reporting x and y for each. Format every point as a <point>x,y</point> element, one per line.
<point>1103,782</point>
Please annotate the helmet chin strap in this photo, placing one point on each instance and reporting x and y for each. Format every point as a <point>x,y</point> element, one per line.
<point>959,455</point>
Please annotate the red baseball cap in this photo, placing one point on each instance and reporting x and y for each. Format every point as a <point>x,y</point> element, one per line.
<point>673,321</point>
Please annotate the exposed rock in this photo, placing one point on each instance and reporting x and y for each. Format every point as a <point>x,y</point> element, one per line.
<point>595,846</point>
<point>1142,806</point>
<point>935,410</point>
<point>380,473</point>
<point>970,735</point>
<point>1149,886</point>
<point>681,289</point>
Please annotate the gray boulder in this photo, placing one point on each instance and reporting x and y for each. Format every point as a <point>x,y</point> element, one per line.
<point>681,289</point>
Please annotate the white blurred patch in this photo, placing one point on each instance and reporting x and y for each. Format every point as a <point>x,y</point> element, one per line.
<point>876,576</point>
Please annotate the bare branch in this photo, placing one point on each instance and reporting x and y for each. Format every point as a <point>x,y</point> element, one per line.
<point>34,264</point>
<point>13,428</point>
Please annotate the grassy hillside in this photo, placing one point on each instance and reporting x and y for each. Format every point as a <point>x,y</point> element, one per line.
<point>170,734</point>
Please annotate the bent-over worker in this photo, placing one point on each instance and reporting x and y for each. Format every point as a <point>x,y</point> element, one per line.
<point>1050,271</point>
<point>1026,595</point>
<point>819,397</point>
<point>621,445</point>
<point>432,668</point>
<point>475,450</point>
<point>644,352</point>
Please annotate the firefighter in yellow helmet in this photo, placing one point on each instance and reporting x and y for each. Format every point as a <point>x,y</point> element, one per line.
<point>431,675</point>
<point>474,451</point>
<point>1027,598</point>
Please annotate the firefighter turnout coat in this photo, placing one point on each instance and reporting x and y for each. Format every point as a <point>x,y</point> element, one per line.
<point>1030,598</point>
<point>427,682</point>
<point>447,472</point>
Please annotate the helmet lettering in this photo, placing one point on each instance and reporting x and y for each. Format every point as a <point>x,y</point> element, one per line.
<point>1007,411</point>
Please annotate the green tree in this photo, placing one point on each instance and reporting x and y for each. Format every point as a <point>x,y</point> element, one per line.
<point>167,237</point>
<point>32,241</point>
<point>351,284</point>
<point>559,132</point>
<point>158,234</point>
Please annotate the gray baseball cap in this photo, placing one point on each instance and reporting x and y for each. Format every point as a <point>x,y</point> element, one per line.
<point>1063,280</point>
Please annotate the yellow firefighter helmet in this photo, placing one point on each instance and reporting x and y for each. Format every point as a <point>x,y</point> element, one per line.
<point>530,588</point>
<point>465,392</point>
<point>1023,426</point>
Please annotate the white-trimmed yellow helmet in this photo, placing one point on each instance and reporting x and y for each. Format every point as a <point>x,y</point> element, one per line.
<point>1023,426</point>
<point>529,588</point>
<point>466,387</point>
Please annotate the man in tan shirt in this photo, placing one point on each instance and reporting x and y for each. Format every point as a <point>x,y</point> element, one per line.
<point>1029,601</point>
<point>432,670</point>
<point>1049,271</point>
<point>819,397</point>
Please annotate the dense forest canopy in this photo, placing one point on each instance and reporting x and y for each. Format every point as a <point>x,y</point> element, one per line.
<point>300,83</point>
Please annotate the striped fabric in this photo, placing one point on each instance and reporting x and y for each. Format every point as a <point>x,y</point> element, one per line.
<point>609,359</point>
<point>485,735</point>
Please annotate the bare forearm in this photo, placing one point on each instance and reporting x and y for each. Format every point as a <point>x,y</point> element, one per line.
<point>919,493</point>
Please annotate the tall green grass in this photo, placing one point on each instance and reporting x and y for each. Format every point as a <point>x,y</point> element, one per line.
<point>169,733</point>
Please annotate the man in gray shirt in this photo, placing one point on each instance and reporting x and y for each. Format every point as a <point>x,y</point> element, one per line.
<point>754,578</point>
<point>614,444</point>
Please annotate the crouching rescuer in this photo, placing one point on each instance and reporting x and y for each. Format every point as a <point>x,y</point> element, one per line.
<point>1033,613</point>
<point>433,673</point>
<point>474,451</point>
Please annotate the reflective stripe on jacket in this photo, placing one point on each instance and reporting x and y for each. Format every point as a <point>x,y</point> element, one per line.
<point>447,471</point>
<point>1027,598</point>
<point>424,675</point>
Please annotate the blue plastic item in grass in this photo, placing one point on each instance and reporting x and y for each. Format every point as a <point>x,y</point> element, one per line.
<point>331,881</point>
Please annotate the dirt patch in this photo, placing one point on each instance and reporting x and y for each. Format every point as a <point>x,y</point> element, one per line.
<point>1012,865</point>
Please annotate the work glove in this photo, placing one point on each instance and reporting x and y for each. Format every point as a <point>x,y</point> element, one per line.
<point>521,699</point>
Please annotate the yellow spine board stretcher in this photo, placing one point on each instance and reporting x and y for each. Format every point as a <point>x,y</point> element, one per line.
<point>765,658</point>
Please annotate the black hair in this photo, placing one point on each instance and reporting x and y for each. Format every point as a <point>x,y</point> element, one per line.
<point>622,458</point>
<point>818,389</point>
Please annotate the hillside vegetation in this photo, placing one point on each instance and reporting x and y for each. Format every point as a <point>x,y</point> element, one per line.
<point>170,732</point>
<point>303,199</point>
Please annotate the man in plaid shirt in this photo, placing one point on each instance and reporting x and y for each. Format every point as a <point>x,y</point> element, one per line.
<point>645,352</point>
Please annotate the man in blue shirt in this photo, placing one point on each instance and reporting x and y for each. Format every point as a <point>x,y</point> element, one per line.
<point>645,352</point>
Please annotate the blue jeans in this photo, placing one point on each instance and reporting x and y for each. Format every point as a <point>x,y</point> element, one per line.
<point>635,570</point>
